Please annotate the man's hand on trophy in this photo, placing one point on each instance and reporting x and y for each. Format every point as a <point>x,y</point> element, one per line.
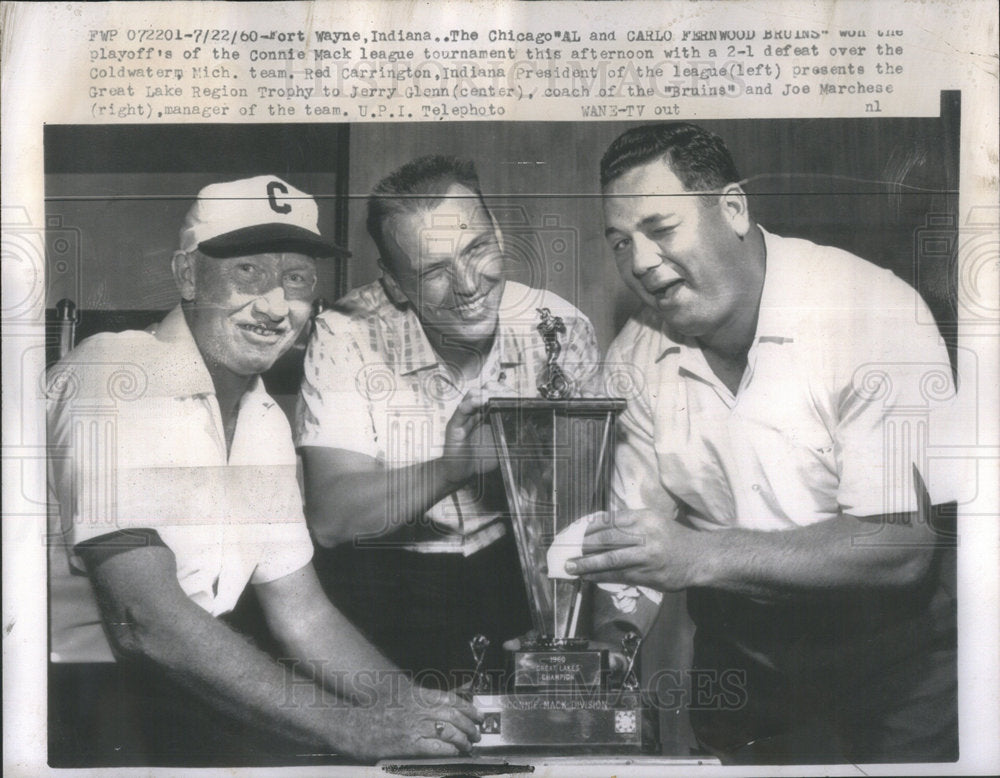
<point>417,722</point>
<point>642,548</point>
<point>469,448</point>
<point>468,440</point>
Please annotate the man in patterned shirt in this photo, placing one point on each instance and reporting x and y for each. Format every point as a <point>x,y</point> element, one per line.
<point>402,491</point>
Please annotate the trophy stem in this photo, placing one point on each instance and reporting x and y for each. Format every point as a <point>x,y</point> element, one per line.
<point>598,480</point>
<point>555,524</point>
<point>577,601</point>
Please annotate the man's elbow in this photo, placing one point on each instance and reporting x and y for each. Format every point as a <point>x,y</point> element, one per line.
<point>142,632</point>
<point>326,537</point>
<point>326,531</point>
<point>899,554</point>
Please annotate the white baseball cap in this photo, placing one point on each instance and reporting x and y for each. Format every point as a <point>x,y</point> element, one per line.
<point>254,216</point>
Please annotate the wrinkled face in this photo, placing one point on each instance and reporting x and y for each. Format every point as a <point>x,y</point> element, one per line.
<point>448,263</point>
<point>247,311</point>
<point>676,251</point>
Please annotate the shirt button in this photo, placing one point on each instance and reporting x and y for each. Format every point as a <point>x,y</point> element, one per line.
<point>756,487</point>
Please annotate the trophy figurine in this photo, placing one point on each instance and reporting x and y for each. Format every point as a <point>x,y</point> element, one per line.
<point>555,386</point>
<point>556,456</point>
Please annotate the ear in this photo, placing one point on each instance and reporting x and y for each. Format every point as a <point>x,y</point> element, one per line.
<point>183,266</point>
<point>733,203</point>
<point>391,285</point>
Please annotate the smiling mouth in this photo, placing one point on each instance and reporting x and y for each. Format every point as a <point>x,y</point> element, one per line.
<point>664,291</point>
<point>262,331</point>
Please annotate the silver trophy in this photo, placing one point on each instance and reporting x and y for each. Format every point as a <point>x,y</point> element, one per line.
<point>556,456</point>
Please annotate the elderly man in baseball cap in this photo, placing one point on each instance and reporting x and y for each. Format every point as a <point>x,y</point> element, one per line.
<point>176,481</point>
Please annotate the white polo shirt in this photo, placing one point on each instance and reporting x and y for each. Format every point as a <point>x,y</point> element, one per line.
<point>846,385</point>
<point>136,442</point>
<point>374,385</point>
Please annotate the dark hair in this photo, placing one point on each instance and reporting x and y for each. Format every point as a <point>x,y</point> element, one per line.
<point>419,185</point>
<point>698,158</point>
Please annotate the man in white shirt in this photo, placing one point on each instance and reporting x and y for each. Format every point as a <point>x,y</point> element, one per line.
<point>402,491</point>
<point>781,394</point>
<point>175,475</point>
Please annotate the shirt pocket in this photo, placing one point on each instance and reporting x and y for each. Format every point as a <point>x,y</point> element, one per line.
<point>793,472</point>
<point>813,480</point>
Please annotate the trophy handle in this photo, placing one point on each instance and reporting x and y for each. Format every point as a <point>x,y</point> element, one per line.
<point>478,645</point>
<point>630,646</point>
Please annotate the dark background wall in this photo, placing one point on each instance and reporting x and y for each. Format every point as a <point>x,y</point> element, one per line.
<point>116,196</point>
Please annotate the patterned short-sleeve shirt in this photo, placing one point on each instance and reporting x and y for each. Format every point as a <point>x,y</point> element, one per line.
<point>374,385</point>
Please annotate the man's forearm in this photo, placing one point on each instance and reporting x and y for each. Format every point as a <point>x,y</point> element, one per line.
<point>841,553</point>
<point>325,644</point>
<point>149,616</point>
<point>329,649</point>
<point>375,501</point>
<point>209,660</point>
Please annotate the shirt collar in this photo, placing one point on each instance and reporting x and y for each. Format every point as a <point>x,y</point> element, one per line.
<point>777,298</point>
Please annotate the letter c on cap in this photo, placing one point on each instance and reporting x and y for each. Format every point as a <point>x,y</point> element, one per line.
<point>277,186</point>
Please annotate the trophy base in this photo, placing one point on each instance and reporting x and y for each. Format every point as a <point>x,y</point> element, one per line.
<point>568,723</point>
